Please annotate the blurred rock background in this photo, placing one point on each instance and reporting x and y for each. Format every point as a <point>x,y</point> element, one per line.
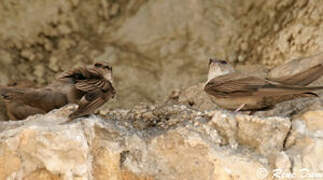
<point>154,46</point>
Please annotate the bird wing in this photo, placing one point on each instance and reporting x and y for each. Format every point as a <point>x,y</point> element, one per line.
<point>79,74</point>
<point>87,79</point>
<point>91,101</point>
<point>302,78</point>
<point>71,74</point>
<point>95,87</point>
<point>249,86</point>
<point>224,86</point>
<point>93,84</point>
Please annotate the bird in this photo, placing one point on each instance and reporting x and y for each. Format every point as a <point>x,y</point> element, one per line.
<point>22,99</point>
<point>88,87</point>
<point>237,91</point>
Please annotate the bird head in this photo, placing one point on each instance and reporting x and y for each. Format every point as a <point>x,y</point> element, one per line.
<point>218,68</point>
<point>105,69</point>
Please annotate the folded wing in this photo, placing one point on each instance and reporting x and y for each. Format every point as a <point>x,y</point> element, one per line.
<point>224,86</point>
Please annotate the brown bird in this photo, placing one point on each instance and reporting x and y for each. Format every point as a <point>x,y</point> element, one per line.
<point>237,91</point>
<point>21,100</point>
<point>89,87</point>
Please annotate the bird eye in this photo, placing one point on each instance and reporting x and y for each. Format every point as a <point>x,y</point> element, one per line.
<point>217,61</point>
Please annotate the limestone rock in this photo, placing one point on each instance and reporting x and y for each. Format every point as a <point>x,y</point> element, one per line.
<point>313,120</point>
<point>172,142</point>
<point>196,97</point>
<point>305,147</point>
<point>97,148</point>
<point>265,135</point>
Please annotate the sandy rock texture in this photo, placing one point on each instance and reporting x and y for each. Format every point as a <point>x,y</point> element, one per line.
<point>165,44</point>
<point>161,142</point>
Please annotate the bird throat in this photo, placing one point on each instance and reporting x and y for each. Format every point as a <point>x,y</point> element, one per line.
<point>216,71</point>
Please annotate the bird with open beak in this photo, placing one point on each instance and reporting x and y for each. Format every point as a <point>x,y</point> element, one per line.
<point>237,91</point>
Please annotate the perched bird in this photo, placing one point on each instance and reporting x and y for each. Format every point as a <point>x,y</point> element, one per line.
<point>89,87</point>
<point>21,100</point>
<point>237,91</point>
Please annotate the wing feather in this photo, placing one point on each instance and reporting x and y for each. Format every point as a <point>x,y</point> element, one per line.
<point>249,86</point>
<point>90,104</point>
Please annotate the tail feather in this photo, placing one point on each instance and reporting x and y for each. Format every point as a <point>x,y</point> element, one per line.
<point>300,88</point>
<point>308,88</point>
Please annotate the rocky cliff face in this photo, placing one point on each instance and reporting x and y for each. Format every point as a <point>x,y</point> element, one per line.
<point>156,47</point>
